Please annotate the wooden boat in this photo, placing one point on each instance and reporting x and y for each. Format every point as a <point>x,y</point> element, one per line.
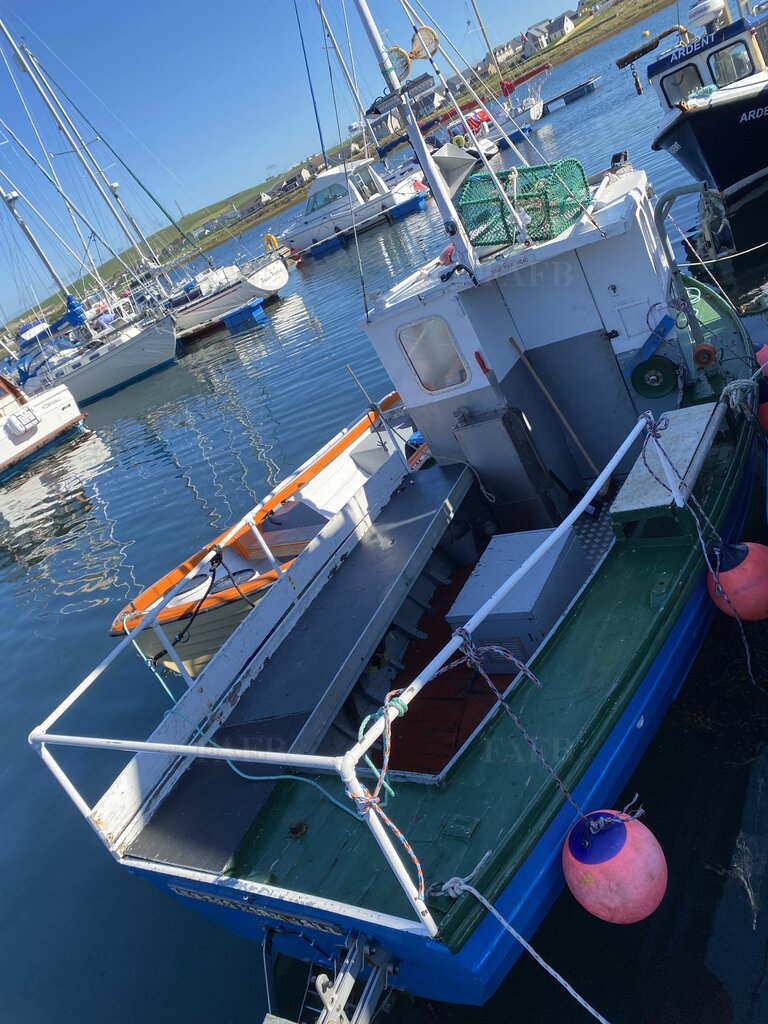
<point>323,787</point>
<point>29,424</point>
<point>208,605</point>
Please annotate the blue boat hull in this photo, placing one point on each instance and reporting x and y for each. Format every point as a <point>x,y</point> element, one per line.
<point>310,931</point>
<point>724,145</point>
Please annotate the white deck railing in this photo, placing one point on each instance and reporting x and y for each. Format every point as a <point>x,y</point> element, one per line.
<point>346,766</point>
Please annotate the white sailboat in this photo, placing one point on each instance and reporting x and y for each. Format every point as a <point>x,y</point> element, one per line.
<point>213,293</point>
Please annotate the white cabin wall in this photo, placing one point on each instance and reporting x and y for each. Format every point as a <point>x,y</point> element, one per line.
<point>629,278</point>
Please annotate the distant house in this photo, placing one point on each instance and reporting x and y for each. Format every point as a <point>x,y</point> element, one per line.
<point>505,52</point>
<point>296,181</point>
<point>253,205</point>
<point>560,27</point>
<point>536,38</point>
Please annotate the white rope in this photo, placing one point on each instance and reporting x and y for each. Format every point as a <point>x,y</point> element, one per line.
<point>729,256</point>
<point>454,887</point>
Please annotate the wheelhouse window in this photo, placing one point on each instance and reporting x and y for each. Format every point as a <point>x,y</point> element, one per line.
<point>430,348</point>
<point>325,197</point>
<point>679,84</point>
<point>730,64</point>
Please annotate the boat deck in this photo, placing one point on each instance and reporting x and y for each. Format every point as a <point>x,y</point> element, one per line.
<point>304,683</point>
<point>589,669</point>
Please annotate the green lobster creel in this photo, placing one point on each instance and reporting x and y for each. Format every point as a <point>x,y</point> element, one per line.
<point>553,195</point>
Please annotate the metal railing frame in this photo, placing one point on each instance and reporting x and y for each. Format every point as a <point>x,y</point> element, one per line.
<point>347,765</point>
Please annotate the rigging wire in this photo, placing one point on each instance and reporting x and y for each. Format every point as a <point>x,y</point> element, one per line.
<point>360,270</point>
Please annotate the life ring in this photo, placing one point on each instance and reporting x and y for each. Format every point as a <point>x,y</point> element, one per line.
<point>270,242</point>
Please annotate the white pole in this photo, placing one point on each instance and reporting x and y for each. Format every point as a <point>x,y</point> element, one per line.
<point>26,66</point>
<point>310,762</point>
<point>451,220</point>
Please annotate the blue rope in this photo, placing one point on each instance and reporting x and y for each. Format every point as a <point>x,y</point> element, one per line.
<point>311,88</point>
<point>265,778</point>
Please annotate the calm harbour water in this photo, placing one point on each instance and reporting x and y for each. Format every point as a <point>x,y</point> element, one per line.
<point>169,463</point>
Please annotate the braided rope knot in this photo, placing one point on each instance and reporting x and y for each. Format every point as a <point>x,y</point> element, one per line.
<point>454,887</point>
<point>655,426</point>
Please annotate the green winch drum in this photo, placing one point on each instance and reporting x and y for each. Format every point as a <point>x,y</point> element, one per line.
<point>552,195</point>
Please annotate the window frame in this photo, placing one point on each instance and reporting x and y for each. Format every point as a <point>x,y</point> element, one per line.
<point>330,202</point>
<point>731,46</point>
<point>669,74</point>
<point>417,377</point>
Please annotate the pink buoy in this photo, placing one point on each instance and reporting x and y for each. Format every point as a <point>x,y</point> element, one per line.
<point>617,873</point>
<point>743,579</point>
<point>762,359</point>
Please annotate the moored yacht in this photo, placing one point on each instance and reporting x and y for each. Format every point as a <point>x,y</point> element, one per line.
<point>351,198</point>
<point>713,88</point>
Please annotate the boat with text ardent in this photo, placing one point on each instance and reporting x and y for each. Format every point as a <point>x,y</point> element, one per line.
<point>713,88</point>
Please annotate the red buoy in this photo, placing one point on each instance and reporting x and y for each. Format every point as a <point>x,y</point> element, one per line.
<point>617,873</point>
<point>762,359</point>
<point>762,416</point>
<point>743,578</point>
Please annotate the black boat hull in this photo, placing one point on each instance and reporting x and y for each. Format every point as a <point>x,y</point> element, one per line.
<point>723,143</point>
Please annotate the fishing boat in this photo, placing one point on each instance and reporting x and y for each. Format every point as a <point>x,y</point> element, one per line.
<point>377,772</point>
<point>205,609</point>
<point>713,88</point>
<point>212,294</point>
<point>345,199</point>
<point>30,423</point>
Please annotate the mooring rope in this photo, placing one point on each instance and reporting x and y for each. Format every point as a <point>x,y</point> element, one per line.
<point>699,515</point>
<point>454,887</point>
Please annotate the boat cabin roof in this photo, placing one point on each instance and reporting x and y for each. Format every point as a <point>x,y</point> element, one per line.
<point>679,54</point>
<point>339,173</point>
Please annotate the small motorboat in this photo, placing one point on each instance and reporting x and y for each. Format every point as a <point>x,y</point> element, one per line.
<point>28,423</point>
<point>352,198</point>
<point>209,296</point>
<point>208,605</point>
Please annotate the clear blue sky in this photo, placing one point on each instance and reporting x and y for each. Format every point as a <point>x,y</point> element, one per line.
<point>215,92</point>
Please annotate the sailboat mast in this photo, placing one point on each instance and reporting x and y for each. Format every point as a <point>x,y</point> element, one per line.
<point>52,180</point>
<point>451,221</point>
<point>347,76</point>
<point>111,186</point>
<point>311,87</point>
<point>9,198</point>
<point>26,66</point>
<point>484,31</point>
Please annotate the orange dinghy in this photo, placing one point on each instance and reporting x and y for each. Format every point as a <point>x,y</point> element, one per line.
<point>200,603</point>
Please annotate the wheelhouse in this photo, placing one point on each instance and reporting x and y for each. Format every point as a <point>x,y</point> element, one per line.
<point>337,188</point>
<point>713,61</point>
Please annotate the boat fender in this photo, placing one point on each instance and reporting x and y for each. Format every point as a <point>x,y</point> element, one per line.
<point>762,359</point>
<point>741,588</point>
<point>271,243</point>
<point>704,355</point>
<point>619,872</point>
